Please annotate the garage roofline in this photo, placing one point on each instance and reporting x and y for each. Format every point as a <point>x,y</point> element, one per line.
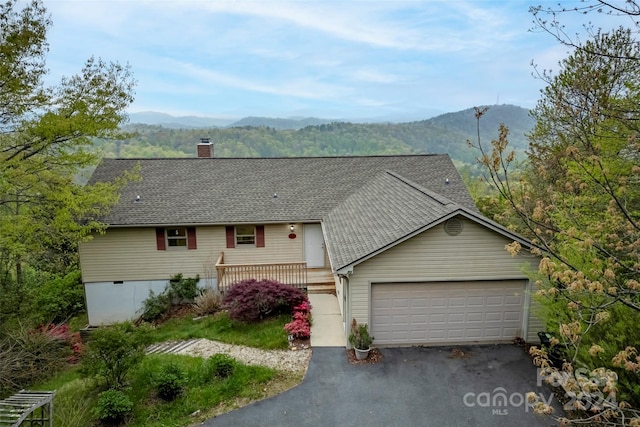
<point>492,225</point>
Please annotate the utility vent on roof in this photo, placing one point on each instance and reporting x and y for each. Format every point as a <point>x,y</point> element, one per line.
<point>453,227</point>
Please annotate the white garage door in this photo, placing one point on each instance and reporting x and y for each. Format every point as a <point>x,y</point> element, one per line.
<point>446,312</point>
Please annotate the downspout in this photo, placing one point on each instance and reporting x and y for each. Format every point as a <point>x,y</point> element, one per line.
<point>347,306</point>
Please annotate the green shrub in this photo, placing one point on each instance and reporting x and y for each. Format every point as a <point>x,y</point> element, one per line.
<point>178,291</point>
<point>169,382</point>
<point>155,306</point>
<point>111,353</point>
<point>58,299</point>
<point>220,365</point>
<point>113,407</point>
<point>16,308</point>
<point>182,290</point>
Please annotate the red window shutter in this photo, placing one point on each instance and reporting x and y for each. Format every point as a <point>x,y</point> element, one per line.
<point>191,238</point>
<point>161,243</point>
<point>260,236</point>
<point>231,236</point>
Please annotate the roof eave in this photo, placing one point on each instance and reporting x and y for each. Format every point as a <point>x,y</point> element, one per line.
<point>211,224</point>
<point>467,213</point>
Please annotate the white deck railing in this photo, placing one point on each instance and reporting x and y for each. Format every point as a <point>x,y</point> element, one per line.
<point>289,273</point>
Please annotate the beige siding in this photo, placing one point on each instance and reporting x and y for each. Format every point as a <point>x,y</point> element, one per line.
<point>278,247</point>
<point>131,254</point>
<point>535,323</point>
<point>477,253</point>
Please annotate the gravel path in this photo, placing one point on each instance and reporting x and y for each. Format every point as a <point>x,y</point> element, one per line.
<point>287,360</point>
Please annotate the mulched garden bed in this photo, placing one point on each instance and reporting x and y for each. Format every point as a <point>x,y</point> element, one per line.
<point>298,344</point>
<point>375,356</point>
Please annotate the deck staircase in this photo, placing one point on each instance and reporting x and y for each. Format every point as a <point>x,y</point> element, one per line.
<point>320,281</point>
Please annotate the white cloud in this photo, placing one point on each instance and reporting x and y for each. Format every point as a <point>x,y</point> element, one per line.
<point>302,87</point>
<point>368,102</point>
<point>336,54</point>
<point>344,20</point>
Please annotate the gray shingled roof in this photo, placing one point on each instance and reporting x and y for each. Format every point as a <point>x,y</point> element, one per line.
<point>382,212</point>
<point>228,190</point>
<point>386,211</point>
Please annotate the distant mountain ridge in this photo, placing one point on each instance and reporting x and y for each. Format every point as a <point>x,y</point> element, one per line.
<point>460,120</point>
<point>265,137</point>
<point>290,123</point>
<point>518,120</point>
<point>177,122</point>
<point>198,122</point>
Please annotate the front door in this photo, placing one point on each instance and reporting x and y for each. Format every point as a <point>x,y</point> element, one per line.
<point>313,246</point>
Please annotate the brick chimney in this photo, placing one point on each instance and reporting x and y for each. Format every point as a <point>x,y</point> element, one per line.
<point>205,148</point>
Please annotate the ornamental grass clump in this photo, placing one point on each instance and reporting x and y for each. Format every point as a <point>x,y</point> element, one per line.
<point>28,355</point>
<point>208,302</point>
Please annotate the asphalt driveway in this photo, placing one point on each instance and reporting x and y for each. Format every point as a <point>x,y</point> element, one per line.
<point>415,386</point>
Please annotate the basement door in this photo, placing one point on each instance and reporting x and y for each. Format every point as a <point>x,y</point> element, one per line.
<point>447,312</point>
<point>313,246</point>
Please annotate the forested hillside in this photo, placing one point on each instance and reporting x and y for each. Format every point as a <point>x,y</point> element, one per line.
<point>447,133</point>
<point>291,123</point>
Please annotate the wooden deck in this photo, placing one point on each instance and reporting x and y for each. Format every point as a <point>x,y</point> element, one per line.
<point>313,280</point>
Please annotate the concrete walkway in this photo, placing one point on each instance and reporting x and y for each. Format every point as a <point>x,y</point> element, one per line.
<point>327,329</point>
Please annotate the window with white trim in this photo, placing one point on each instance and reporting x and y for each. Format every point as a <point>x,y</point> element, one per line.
<point>245,235</point>
<point>177,237</point>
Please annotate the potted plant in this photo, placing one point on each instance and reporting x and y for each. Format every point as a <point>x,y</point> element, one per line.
<point>360,339</point>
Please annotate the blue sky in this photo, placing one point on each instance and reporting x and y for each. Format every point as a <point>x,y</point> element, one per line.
<point>330,59</point>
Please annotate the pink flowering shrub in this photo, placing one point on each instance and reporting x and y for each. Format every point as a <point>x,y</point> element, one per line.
<point>300,326</point>
<point>60,332</point>
<point>303,307</point>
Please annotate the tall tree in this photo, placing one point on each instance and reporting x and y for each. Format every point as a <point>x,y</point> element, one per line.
<point>46,135</point>
<point>551,20</point>
<point>579,200</point>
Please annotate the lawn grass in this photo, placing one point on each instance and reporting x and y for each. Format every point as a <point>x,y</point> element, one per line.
<point>201,394</point>
<point>204,396</point>
<point>268,334</point>
<point>74,399</point>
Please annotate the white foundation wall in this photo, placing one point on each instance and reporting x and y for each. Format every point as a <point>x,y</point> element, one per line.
<point>112,302</point>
